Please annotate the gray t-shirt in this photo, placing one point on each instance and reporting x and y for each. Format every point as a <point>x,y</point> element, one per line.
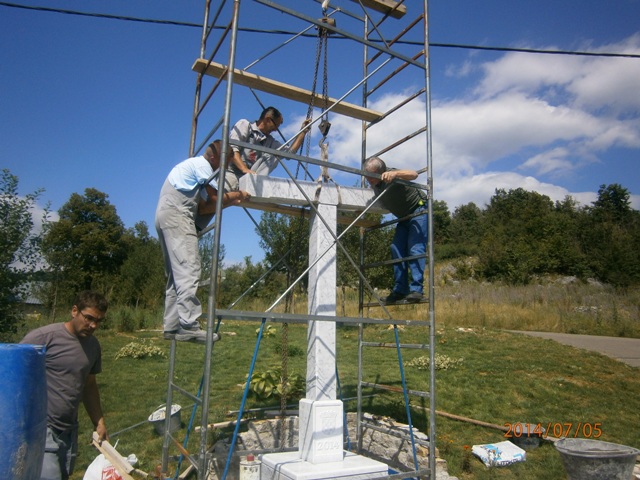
<point>248,132</point>
<point>69,361</point>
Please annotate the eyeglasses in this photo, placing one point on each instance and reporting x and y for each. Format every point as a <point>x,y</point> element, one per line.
<point>91,318</point>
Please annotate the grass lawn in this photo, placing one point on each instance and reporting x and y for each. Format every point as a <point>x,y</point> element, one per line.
<point>502,378</point>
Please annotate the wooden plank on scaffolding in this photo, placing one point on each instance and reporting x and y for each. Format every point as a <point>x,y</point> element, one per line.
<point>385,6</point>
<point>240,77</point>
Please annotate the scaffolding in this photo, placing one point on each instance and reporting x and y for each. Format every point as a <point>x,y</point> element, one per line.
<point>393,38</point>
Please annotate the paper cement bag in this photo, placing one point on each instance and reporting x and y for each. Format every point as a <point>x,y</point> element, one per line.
<point>499,454</point>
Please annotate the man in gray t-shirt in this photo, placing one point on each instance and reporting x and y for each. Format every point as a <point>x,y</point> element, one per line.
<point>73,358</point>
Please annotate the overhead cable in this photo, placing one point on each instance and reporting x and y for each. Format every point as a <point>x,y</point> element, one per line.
<point>284,32</point>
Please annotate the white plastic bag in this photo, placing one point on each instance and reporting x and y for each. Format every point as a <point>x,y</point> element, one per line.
<point>101,469</point>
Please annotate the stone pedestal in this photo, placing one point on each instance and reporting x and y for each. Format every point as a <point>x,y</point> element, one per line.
<point>289,466</point>
<point>321,431</point>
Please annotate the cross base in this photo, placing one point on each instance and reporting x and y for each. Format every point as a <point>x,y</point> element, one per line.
<point>289,466</point>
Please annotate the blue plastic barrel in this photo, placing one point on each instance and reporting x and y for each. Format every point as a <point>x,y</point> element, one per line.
<point>23,411</point>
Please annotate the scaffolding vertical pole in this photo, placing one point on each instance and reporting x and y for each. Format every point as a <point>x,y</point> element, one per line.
<point>213,282</point>
<point>168,407</point>
<point>196,104</point>
<point>363,156</point>
<point>432,318</point>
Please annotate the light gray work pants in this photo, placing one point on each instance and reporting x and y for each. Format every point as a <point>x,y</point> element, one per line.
<point>179,242</point>
<point>60,452</point>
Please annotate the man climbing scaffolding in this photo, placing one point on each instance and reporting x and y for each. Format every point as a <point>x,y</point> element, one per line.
<point>247,160</point>
<point>410,237</point>
<point>186,204</point>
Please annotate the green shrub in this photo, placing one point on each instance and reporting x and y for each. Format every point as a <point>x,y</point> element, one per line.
<point>269,384</point>
<point>443,362</point>
<point>140,350</point>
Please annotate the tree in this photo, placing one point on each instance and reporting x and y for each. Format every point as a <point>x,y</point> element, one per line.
<point>610,237</point>
<point>465,232</point>
<point>19,248</point>
<point>441,221</point>
<point>613,204</point>
<point>142,278</point>
<point>285,241</point>
<point>238,278</point>
<point>519,226</point>
<point>377,248</point>
<point>85,248</point>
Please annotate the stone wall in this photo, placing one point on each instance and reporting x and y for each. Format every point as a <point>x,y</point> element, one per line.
<point>383,439</point>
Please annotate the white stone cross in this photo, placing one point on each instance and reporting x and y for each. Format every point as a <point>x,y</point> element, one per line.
<point>321,414</point>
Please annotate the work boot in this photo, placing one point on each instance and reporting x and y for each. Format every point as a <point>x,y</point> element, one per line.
<point>414,297</point>
<point>190,335</point>
<point>393,297</point>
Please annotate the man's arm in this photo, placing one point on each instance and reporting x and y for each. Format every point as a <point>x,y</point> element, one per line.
<point>391,175</point>
<point>91,400</point>
<point>239,163</point>
<point>297,143</point>
<point>230,198</point>
<point>240,132</point>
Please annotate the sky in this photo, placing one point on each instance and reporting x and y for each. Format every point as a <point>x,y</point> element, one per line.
<point>102,103</point>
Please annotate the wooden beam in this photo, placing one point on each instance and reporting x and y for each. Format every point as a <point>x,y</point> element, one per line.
<point>385,6</point>
<point>240,77</point>
<point>117,460</point>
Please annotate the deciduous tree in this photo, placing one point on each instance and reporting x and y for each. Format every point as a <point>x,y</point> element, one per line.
<point>85,248</point>
<point>19,247</point>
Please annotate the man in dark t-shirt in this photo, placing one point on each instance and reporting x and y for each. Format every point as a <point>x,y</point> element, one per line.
<point>73,358</point>
<point>410,238</point>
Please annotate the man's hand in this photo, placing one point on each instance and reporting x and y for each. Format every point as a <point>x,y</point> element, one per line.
<point>101,430</point>
<point>389,176</point>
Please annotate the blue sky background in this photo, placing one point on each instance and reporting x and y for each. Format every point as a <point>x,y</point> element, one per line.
<point>103,103</point>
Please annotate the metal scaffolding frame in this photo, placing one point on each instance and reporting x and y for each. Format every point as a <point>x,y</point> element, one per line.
<point>384,24</point>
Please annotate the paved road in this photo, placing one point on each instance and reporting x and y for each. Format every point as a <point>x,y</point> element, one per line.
<point>624,349</point>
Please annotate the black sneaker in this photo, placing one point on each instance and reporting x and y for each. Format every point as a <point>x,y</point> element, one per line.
<point>393,297</point>
<point>414,297</point>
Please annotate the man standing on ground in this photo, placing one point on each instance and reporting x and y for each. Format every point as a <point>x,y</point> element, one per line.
<point>247,160</point>
<point>73,359</point>
<point>410,238</point>
<point>185,200</point>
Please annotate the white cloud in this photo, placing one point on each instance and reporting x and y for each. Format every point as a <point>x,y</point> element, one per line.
<point>480,188</point>
<point>554,160</point>
<point>532,121</point>
<point>591,83</point>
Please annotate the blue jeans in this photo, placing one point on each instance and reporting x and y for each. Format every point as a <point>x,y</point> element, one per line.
<point>410,239</point>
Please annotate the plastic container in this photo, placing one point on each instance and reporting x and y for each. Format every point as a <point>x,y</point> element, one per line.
<point>23,410</point>
<point>586,459</point>
<point>157,419</point>
<point>249,468</point>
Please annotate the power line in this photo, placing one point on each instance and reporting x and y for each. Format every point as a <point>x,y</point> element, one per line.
<point>100,15</point>
<point>284,32</point>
